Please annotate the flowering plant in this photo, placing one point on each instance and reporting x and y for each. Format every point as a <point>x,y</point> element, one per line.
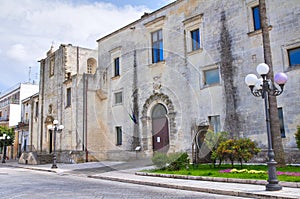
<point>258,172</point>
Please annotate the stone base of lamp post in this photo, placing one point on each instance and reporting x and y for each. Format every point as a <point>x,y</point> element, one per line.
<point>272,181</point>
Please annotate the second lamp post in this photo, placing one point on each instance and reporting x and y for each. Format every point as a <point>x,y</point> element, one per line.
<point>55,128</point>
<point>4,138</point>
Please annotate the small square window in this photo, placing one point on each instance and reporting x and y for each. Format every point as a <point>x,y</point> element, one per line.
<point>195,35</point>
<point>118,98</point>
<point>256,18</point>
<point>211,77</point>
<point>294,56</point>
<point>119,135</point>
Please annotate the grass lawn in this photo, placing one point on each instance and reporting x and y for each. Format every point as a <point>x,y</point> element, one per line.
<point>222,171</point>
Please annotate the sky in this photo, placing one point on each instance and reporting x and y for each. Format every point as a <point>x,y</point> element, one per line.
<point>28,28</point>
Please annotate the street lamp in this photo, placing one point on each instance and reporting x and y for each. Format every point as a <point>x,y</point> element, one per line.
<point>4,137</point>
<point>261,88</point>
<point>55,127</point>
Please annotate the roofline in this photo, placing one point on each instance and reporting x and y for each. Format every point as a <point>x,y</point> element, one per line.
<point>146,15</point>
<point>15,88</point>
<point>30,97</point>
<point>67,45</point>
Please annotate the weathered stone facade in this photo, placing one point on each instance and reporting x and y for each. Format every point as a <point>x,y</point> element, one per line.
<point>228,43</point>
<point>128,86</point>
<point>61,97</point>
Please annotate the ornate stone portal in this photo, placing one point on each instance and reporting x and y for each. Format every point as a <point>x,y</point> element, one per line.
<point>147,122</point>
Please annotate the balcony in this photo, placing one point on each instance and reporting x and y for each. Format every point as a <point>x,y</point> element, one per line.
<point>14,101</point>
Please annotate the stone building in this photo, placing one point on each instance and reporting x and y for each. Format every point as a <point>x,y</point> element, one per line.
<point>61,97</point>
<point>166,75</point>
<point>184,65</point>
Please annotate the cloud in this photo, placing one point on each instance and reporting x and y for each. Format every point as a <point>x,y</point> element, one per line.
<point>17,52</point>
<point>28,29</point>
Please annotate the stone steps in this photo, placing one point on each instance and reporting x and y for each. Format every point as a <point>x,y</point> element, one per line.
<point>44,158</point>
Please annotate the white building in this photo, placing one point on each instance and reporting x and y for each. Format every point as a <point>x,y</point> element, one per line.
<point>10,110</point>
<point>11,100</point>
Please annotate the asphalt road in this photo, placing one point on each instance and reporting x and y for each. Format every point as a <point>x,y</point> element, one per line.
<point>25,184</point>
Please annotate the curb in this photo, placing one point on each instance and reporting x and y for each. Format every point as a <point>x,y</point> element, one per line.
<point>192,188</point>
<point>236,193</point>
<point>217,179</point>
<point>31,168</point>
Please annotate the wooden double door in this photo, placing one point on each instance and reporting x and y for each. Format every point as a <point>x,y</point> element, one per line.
<point>160,129</point>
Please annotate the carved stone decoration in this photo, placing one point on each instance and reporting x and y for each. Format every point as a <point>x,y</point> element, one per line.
<point>156,87</point>
<point>49,120</point>
<point>50,109</point>
<point>153,100</point>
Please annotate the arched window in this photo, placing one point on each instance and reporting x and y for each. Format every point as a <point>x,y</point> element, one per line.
<point>91,66</point>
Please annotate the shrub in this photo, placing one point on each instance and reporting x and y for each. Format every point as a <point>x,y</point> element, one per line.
<point>160,160</point>
<point>297,136</point>
<point>236,150</point>
<point>245,149</point>
<point>212,141</point>
<point>171,162</point>
<point>178,161</point>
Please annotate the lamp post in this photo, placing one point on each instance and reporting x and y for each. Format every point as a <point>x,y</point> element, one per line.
<point>261,88</point>
<point>55,127</point>
<point>4,137</point>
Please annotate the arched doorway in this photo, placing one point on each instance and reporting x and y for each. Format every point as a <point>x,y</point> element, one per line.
<point>160,129</point>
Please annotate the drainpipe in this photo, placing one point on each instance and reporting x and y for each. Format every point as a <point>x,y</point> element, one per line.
<point>42,105</point>
<point>84,130</point>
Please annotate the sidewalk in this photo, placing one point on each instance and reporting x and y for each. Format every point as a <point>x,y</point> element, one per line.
<point>127,172</point>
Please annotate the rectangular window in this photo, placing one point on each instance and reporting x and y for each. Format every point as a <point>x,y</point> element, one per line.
<point>256,18</point>
<point>118,98</point>
<point>68,97</point>
<point>195,35</point>
<point>214,122</point>
<point>157,46</point>
<point>281,122</point>
<point>294,56</point>
<point>117,66</point>
<point>51,72</point>
<point>119,135</point>
<point>26,117</point>
<point>36,109</point>
<point>211,76</point>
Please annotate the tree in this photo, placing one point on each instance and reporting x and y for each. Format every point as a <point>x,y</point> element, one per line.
<point>274,120</point>
<point>9,132</point>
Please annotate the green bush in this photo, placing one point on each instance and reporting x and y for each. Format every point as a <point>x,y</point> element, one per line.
<point>178,161</point>
<point>241,150</point>
<point>171,162</point>
<point>297,136</point>
<point>160,160</point>
<point>212,141</point>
